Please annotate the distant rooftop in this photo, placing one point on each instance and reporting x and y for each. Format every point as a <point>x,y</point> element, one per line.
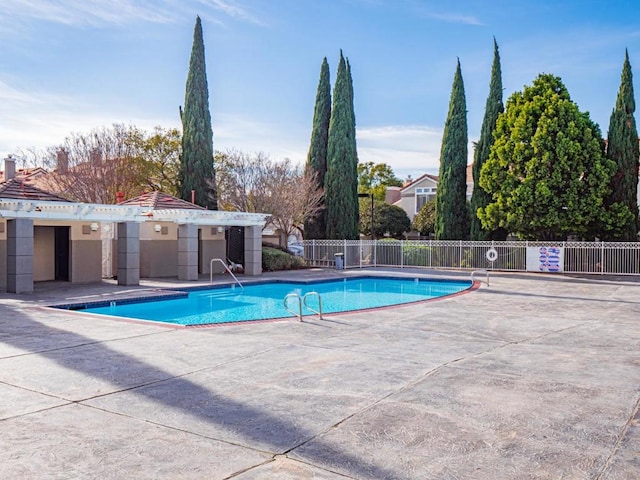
<point>22,190</point>
<point>161,201</point>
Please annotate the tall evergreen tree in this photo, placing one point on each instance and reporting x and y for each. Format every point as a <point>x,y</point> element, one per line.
<point>622,148</point>
<point>354,149</point>
<point>316,228</point>
<point>451,205</point>
<point>197,171</point>
<point>493,108</point>
<point>341,181</point>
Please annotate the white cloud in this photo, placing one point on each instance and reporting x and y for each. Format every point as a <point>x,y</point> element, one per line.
<point>89,12</point>
<point>100,13</point>
<point>456,18</point>
<point>233,9</point>
<point>41,119</point>
<point>232,131</point>
<point>408,149</point>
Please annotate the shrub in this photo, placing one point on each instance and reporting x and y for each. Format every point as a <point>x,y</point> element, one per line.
<point>275,246</point>
<point>274,259</point>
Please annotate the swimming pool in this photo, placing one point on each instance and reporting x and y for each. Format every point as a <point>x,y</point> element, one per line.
<point>264,301</point>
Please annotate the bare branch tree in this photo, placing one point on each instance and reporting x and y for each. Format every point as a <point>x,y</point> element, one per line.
<point>254,183</point>
<point>93,167</point>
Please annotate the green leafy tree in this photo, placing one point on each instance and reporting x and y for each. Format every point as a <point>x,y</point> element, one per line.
<point>375,178</point>
<point>452,221</point>
<point>316,227</point>
<point>492,110</point>
<point>547,173</point>
<point>387,219</point>
<point>622,148</point>
<point>341,180</point>
<point>424,221</point>
<point>197,171</point>
<point>159,152</point>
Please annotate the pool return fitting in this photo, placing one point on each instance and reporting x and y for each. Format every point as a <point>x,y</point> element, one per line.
<point>302,302</point>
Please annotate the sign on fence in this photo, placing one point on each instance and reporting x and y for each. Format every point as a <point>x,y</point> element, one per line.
<point>545,259</point>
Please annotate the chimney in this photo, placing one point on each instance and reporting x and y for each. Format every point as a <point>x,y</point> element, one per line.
<point>62,157</point>
<point>392,195</point>
<point>95,157</point>
<point>119,197</point>
<point>9,168</point>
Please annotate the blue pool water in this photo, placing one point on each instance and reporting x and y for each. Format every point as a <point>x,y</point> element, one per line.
<point>265,300</point>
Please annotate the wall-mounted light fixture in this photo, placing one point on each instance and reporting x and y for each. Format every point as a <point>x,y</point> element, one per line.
<point>157,228</point>
<point>94,227</point>
<point>220,229</point>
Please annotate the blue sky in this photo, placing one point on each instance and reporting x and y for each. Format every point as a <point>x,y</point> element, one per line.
<point>74,65</point>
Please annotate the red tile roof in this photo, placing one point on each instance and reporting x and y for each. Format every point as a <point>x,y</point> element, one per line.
<point>26,173</point>
<point>21,190</point>
<point>161,201</point>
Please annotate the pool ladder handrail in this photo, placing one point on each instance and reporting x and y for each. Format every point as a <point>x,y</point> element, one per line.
<point>286,304</point>
<point>226,268</point>
<point>302,302</point>
<point>479,272</point>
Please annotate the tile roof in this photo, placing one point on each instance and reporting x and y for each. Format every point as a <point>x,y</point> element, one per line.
<point>419,179</point>
<point>161,201</point>
<point>26,173</point>
<point>21,190</point>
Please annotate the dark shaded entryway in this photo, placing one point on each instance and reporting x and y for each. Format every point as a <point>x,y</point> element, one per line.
<point>61,249</point>
<point>235,244</point>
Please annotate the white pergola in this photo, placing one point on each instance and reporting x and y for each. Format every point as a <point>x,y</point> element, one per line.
<point>128,217</point>
<point>96,212</point>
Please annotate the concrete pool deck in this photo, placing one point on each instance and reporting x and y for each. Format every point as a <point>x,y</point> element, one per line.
<point>533,377</point>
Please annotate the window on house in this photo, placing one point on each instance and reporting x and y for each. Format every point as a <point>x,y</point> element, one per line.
<point>423,195</point>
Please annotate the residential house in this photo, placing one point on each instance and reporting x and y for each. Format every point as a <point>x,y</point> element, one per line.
<point>415,193</point>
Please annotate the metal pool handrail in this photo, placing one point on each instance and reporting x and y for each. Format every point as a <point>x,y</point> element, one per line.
<point>226,268</point>
<point>286,305</point>
<point>485,272</point>
<point>304,302</point>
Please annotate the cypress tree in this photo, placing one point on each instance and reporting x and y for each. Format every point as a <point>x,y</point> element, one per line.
<point>451,205</point>
<point>197,171</point>
<point>341,181</point>
<point>493,108</point>
<point>622,148</point>
<point>316,228</point>
<point>354,151</point>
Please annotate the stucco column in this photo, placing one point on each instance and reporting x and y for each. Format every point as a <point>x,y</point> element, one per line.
<point>128,253</point>
<point>252,250</point>
<point>20,255</point>
<point>187,252</point>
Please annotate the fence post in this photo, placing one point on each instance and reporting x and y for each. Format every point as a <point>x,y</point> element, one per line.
<point>375,252</point>
<point>601,258</point>
<point>313,252</point>
<point>345,253</point>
